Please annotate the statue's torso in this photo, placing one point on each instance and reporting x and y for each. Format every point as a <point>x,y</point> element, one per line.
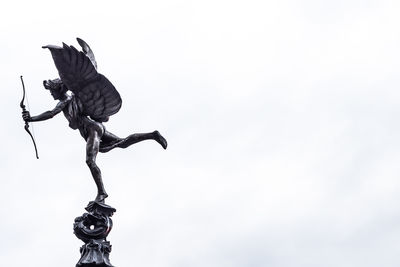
<point>76,120</point>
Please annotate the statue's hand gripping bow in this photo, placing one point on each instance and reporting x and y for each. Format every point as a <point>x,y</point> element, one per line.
<point>24,111</point>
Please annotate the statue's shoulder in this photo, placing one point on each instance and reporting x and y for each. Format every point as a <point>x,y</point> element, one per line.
<point>63,103</point>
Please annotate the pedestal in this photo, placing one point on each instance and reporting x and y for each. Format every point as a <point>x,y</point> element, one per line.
<point>93,228</point>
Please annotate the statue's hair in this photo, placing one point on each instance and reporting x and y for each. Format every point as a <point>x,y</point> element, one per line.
<point>55,84</point>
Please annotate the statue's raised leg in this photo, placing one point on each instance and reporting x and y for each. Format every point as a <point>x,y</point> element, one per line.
<point>111,141</point>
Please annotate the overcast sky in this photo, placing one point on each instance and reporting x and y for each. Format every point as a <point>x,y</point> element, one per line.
<point>282,119</point>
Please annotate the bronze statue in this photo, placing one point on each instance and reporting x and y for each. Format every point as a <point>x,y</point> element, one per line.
<point>87,99</point>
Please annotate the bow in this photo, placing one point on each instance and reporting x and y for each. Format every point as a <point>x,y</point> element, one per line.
<point>26,123</point>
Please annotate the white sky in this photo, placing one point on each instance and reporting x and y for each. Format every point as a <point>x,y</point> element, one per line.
<point>282,119</point>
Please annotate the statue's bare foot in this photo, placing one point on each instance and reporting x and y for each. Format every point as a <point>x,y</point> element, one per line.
<point>160,139</point>
<point>100,197</point>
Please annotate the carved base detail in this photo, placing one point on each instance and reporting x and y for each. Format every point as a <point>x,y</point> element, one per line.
<point>93,228</point>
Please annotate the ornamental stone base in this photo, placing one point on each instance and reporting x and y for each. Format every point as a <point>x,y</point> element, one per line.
<point>93,228</point>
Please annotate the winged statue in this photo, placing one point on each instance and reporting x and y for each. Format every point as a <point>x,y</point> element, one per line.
<point>87,99</point>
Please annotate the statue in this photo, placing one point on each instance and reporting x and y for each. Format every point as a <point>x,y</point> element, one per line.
<point>87,99</point>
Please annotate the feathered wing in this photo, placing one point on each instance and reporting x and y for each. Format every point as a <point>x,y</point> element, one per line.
<point>88,51</point>
<point>98,96</point>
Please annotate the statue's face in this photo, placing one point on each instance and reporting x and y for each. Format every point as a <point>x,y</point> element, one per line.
<point>55,87</point>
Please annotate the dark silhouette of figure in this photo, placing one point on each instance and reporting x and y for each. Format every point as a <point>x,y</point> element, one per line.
<point>92,99</point>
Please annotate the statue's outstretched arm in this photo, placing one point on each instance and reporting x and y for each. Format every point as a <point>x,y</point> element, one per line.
<point>47,114</point>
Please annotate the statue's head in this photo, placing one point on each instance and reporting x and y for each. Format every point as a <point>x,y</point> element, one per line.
<point>56,87</point>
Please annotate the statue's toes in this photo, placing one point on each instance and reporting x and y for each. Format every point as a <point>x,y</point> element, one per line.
<point>160,139</point>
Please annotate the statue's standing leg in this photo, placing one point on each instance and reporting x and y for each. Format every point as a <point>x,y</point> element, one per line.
<point>92,148</point>
<point>110,141</point>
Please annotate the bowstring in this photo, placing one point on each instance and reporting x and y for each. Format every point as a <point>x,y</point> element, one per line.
<point>29,108</point>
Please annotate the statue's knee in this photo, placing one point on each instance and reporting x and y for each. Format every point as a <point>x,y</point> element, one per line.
<point>91,163</point>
